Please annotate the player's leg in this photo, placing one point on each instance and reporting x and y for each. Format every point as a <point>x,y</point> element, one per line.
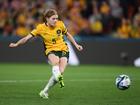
<point>63,61</point>
<point>51,83</point>
<point>62,66</point>
<point>54,61</point>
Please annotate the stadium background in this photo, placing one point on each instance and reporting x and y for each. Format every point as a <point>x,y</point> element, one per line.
<point>100,25</point>
<point>109,31</point>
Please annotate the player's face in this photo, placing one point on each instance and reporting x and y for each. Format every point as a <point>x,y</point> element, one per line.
<point>52,20</point>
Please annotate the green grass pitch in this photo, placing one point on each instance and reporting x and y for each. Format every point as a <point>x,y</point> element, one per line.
<point>84,85</point>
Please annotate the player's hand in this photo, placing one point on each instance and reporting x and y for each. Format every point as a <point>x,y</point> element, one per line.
<point>13,45</point>
<point>79,47</point>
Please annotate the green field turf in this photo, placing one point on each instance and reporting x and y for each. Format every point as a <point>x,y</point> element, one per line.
<point>84,85</point>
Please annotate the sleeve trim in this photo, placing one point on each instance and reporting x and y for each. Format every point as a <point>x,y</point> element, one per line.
<point>32,34</point>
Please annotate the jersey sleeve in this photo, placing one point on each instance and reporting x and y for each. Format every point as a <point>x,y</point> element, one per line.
<point>64,29</point>
<point>36,31</point>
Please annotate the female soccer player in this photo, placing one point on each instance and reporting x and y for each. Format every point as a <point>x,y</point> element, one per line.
<point>52,32</point>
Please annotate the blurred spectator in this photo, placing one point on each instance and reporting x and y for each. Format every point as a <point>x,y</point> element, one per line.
<point>106,17</point>
<point>95,21</point>
<point>82,17</point>
<point>116,9</point>
<point>104,8</point>
<point>8,28</point>
<point>129,7</point>
<point>136,25</point>
<point>3,19</point>
<point>81,3</point>
<point>80,23</point>
<point>21,30</point>
<point>124,31</point>
<point>116,13</point>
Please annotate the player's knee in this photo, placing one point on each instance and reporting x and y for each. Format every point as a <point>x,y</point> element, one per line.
<point>55,62</point>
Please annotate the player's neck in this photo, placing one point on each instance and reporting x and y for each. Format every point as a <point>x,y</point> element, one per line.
<point>50,26</point>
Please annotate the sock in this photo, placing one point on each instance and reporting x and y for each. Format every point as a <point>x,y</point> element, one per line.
<point>56,72</point>
<point>50,84</point>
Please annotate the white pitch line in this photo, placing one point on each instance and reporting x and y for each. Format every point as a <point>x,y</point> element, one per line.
<point>20,81</point>
<point>72,80</point>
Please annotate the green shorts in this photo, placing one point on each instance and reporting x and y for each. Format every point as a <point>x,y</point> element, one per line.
<point>60,54</point>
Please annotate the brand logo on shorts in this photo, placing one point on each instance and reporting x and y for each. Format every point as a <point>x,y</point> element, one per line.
<point>63,53</point>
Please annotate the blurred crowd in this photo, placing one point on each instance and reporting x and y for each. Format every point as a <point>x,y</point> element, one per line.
<point>103,18</point>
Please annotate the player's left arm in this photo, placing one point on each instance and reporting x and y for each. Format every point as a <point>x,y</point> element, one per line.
<point>70,38</point>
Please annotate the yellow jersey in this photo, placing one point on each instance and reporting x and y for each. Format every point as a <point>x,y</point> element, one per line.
<point>53,37</point>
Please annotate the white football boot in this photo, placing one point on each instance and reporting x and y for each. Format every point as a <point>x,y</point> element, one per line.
<point>43,95</point>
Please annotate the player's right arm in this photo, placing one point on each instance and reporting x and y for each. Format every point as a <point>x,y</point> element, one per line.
<point>21,41</point>
<point>34,32</point>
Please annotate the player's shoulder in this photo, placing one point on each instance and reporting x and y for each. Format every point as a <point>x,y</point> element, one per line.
<point>59,22</point>
<point>39,26</point>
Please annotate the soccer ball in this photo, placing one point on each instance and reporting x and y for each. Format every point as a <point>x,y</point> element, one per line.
<point>123,82</point>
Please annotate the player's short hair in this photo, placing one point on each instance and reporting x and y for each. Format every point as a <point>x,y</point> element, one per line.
<point>48,13</point>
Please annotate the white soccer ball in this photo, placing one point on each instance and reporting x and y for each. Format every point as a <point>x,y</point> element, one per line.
<point>123,82</point>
